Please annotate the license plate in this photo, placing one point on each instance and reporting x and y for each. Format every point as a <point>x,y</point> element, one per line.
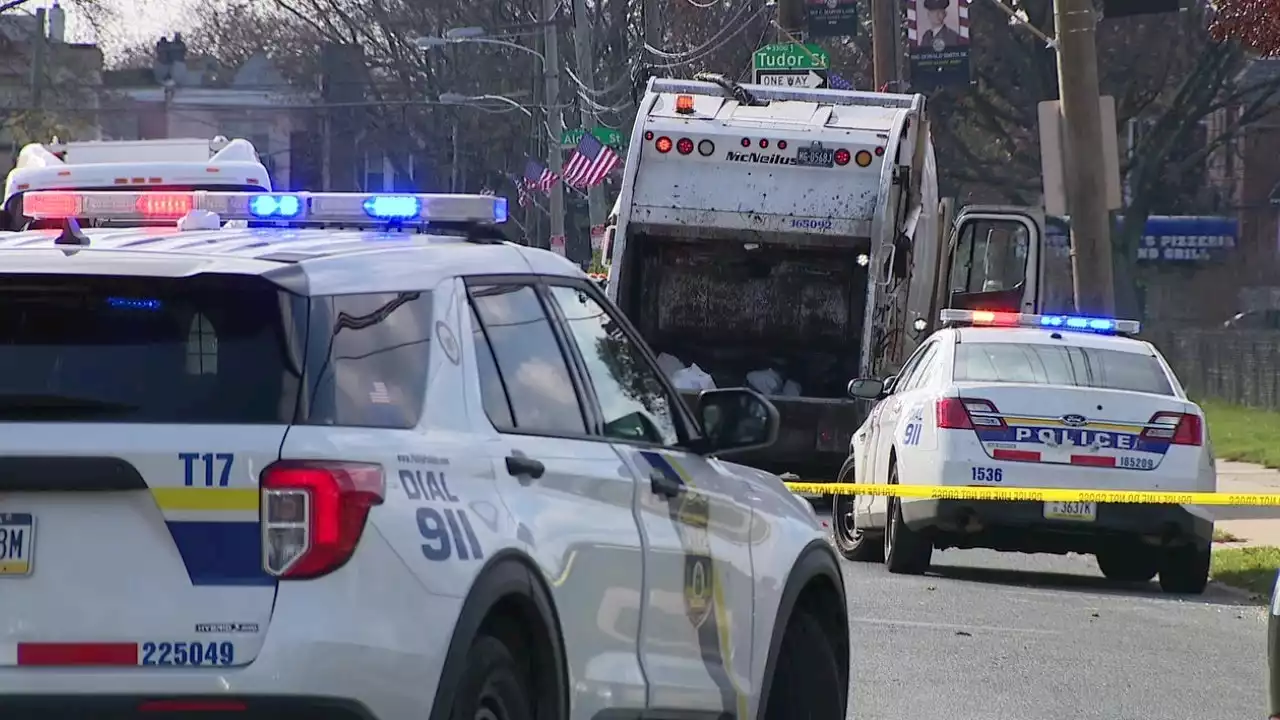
<point>17,542</point>
<point>1077,511</point>
<point>815,157</point>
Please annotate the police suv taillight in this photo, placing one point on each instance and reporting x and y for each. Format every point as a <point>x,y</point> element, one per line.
<point>313,513</point>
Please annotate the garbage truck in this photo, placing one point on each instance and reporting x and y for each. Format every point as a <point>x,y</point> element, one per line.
<point>793,239</point>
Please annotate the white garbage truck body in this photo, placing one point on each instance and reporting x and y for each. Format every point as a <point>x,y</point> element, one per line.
<point>791,240</point>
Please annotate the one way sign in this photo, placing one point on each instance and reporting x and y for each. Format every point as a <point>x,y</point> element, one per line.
<point>792,78</point>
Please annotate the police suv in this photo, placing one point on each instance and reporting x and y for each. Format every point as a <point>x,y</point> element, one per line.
<point>396,471</point>
<point>1011,400</point>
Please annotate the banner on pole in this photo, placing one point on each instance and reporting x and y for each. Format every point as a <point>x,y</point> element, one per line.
<point>831,18</point>
<point>938,40</point>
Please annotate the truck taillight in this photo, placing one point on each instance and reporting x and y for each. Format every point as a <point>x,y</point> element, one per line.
<point>313,513</point>
<point>1175,428</point>
<point>663,144</point>
<point>967,414</point>
<point>842,157</point>
<point>684,146</point>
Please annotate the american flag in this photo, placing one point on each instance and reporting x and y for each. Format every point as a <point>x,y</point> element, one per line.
<point>838,82</point>
<point>536,177</point>
<point>591,163</point>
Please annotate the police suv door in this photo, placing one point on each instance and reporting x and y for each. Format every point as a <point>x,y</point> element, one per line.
<point>569,493</point>
<point>695,517</point>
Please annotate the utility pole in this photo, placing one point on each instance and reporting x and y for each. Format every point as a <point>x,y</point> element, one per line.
<point>555,122</point>
<point>884,43</point>
<point>39,60</point>
<point>790,20</point>
<point>584,45</point>
<point>652,24</point>
<point>1084,164</point>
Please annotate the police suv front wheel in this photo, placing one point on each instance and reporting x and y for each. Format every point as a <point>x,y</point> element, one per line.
<point>492,686</point>
<point>807,679</point>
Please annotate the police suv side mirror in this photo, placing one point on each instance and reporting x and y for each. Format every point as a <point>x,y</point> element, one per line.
<point>735,420</point>
<point>866,388</point>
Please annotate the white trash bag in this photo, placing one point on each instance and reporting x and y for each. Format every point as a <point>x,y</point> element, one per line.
<point>669,364</point>
<point>767,381</point>
<point>692,378</point>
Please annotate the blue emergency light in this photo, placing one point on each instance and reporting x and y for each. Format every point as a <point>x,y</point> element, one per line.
<point>284,207</point>
<point>359,209</point>
<point>991,318</point>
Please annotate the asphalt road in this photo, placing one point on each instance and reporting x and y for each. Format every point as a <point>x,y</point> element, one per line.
<point>994,636</point>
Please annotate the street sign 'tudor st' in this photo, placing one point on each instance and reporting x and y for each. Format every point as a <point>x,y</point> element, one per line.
<point>785,59</point>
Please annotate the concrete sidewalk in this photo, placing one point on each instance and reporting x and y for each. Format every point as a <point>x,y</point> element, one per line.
<point>1251,525</point>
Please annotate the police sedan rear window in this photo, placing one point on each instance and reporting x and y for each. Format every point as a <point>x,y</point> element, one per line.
<point>203,349</point>
<point>1043,364</point>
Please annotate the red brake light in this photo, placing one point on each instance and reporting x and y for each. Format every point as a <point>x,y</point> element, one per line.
<point>842,157</point>
<point>165,206</point>
<point>313,513</point>
<point>952,415</point>
<point>663,145</point>
<point>52,204</point>
<point>967,414</point>
<point>1175,428</point>
<point>988,317</point>
<point>684,146</point>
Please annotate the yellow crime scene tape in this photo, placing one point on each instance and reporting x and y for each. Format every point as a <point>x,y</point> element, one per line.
<point>1036,494</point>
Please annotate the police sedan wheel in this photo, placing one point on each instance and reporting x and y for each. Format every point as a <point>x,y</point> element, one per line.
<point>905,550</point>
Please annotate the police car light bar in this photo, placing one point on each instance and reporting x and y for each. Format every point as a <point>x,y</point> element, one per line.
<point>991,318</point>
<point>354,208</point>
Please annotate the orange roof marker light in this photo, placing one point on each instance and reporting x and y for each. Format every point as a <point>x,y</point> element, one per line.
<point>684,104</point>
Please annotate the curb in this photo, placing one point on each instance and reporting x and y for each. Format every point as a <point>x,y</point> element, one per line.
<point>1240,593</point>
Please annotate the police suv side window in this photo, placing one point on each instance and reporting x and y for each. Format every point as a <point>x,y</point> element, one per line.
<point>367,363</point>
<point>493,392</point>
<point>529,361</point>
<point>635,404</point>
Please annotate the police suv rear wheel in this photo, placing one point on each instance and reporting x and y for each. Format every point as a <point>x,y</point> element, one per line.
<point>492,686</point>
<point>851,541</point>
<point>806,682</point>
<point>1185,569</point>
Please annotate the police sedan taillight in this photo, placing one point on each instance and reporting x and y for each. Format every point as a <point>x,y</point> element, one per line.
<point>1175,428</point>
<point>313,513</point>
<point>965,413</point>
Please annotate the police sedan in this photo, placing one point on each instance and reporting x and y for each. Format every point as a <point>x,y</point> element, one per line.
<point>1011,400</point>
